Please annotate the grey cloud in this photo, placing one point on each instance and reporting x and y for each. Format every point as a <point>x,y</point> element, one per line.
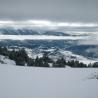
<point>57,10</point>
<point>88,42</point>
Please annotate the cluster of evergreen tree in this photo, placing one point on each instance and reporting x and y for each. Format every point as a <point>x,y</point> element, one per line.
<point>94,65</point>
<point>4,51</point>
<point>21,58</point>
<point>76,64</point>
<point>60,63</point>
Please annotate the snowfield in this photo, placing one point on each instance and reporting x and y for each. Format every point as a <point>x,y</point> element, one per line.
<point>31,82</point>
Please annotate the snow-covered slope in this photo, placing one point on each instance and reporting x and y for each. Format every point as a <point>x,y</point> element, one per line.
<point>27,82</point>
<point>5,60</point>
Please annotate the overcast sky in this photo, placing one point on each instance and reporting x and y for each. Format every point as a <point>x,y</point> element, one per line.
<point>56,10</point>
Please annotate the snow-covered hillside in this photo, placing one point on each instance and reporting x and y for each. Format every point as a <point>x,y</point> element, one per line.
<point>5,60</point>
<point>31,82</point>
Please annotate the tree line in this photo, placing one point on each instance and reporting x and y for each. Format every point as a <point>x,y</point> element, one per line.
<point>21,58</point>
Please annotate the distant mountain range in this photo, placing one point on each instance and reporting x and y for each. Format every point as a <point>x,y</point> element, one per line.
<point>69,48</point>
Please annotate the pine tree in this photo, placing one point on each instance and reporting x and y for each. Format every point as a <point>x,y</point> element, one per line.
<point>95,65</point>
<point>30,62</point>
<point>59,63</point>
<point>20,61</point>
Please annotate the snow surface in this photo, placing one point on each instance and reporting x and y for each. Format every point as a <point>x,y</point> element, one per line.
<point>31,82</point>
<point>69,54</point>
<point>6,60</point>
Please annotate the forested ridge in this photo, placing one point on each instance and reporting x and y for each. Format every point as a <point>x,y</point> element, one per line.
<point>21,58</point>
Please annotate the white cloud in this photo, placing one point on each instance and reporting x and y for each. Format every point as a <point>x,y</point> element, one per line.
<point>46,23</point>
<point>77,24</point>
<point>39,37</point>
